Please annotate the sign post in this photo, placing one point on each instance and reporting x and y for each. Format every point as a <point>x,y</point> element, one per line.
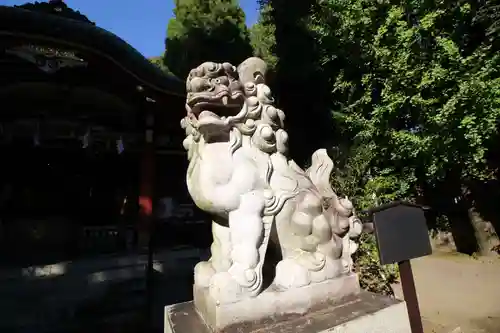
<point>401,233</point>
<point>410,296</point>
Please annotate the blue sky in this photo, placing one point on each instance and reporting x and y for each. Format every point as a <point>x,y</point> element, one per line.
<point>142,23</point>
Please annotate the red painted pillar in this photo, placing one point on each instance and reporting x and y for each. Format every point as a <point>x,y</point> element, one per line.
<point>146,189</point>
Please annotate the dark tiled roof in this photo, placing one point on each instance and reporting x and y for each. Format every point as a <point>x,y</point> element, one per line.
<point>40,22</point>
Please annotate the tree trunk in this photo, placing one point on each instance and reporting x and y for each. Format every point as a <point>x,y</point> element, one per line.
<point>484,233</point>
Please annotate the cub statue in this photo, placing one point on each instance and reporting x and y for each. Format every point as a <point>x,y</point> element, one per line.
<point>260,199</point>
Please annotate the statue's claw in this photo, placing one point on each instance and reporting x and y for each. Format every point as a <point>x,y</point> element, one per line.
<point>225,289</point>
<point>203,273</point>
<point>246,277</point>
<point>289,274</point>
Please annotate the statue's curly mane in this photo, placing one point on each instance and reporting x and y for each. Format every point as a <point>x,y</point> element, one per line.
<point>257,118</point>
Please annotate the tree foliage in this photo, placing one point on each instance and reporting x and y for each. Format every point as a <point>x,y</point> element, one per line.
<point>262,37</point>
<point>406,92</point>
<point>158,61</point>
<point>421,92</point>
<point>300,84</point>
<point>414,91</point>
<point>56,7</point>
<point>205,30</point>
<point>418,82</point>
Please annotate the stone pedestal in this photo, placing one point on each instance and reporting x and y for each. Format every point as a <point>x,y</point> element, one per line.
<point>272,301</point>
<point>336,305</point>
<point>361,313</point>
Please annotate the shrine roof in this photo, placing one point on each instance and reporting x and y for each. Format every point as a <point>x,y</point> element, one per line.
<point>57,24</point>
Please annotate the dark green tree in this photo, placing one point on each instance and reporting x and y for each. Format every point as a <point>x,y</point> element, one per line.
<point>418,82</point>
<point>413,87</point>
<point>205,30</point>
<point>158,61</point>
<point>262,37</point>
<point>56,7</point>
<point>300,85</point>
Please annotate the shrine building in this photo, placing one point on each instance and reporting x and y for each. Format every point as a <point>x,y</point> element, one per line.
<point>93,169</point>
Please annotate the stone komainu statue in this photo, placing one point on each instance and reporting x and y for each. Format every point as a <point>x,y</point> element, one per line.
<point>239,171</point>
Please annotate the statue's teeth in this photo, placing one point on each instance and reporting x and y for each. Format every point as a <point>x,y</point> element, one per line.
<point>225,100</point>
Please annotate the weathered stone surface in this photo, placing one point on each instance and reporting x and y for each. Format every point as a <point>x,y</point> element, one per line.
<point>273,302</point>
<point>240,172</point>
<point>361,313</point>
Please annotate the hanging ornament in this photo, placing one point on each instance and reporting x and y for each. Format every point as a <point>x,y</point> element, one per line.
<point>86,139</point>
<point>36,135</point>
<point>119,145</point>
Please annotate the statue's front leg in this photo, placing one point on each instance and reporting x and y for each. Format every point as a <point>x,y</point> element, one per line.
<point>246,235</point>
<point>220,259</point>
<point>244,278</point>
<point>221,247</point>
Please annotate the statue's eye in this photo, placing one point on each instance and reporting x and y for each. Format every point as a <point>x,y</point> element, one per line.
<point>198,84</point>
<point>223,80</point>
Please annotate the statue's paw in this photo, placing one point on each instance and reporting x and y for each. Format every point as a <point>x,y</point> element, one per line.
<point>290,274</point>
<point>347,265</point>
<point>355,227</point>
<point>225,289</point>
<point>332,269</point>
<point>203,273</point>
<point>245,277</point>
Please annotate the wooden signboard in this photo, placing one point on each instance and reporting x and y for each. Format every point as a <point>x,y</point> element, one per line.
<point>402,234</point>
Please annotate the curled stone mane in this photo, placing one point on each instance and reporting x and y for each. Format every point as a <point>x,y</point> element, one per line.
<point>257,118</point>
<point>260,120</point>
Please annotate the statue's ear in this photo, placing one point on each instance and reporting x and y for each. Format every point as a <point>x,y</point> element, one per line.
<point>249,69</point>
<point>258,77</point>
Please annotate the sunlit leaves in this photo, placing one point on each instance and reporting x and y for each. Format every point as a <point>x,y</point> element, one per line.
<point>262,37</point>
<point>205,30</point>
<point>420,98</point>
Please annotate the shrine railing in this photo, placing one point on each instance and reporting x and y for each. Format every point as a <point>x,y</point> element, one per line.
<point>106,239</point>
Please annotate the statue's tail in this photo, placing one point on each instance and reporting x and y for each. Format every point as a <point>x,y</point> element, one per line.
<point>320,171</point>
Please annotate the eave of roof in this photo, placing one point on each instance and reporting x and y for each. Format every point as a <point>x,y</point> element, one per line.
<point>47,28</point>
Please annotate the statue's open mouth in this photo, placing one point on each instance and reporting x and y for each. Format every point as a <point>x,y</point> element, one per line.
<point>213,110</point>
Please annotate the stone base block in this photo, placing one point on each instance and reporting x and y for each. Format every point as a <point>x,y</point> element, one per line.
<point>272,301</point>
<point>361,313</point>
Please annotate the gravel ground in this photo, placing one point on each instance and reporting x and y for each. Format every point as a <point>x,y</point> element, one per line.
<point>457,294</point>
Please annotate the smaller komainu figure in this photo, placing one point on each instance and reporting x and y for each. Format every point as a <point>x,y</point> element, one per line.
<point>260,199</point>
